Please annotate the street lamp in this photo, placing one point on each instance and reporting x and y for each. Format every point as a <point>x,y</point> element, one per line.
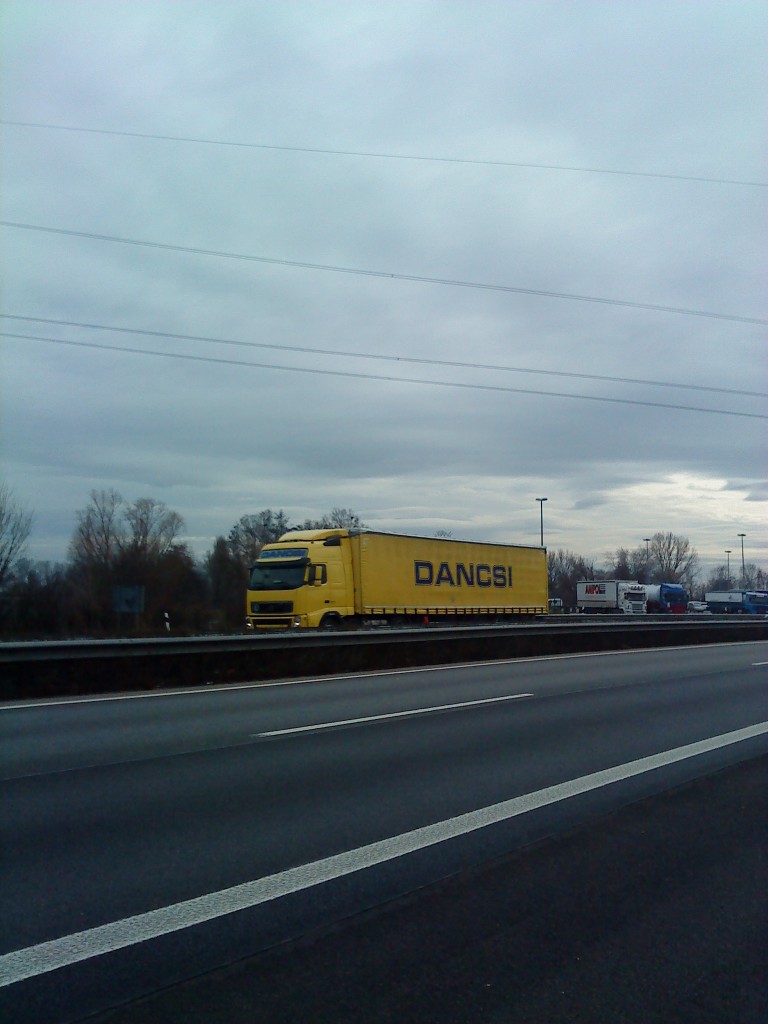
<point>743,570</point>
<point>541,507</point>
<point>728,552</point>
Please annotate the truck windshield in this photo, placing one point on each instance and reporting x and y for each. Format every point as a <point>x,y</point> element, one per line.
<point>276,577</point>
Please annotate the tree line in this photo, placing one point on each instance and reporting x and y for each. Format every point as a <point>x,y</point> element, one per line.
<point>663,558</point>
<point>128,572</point>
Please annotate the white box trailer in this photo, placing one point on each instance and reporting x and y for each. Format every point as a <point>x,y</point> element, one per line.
<point>606,597</point>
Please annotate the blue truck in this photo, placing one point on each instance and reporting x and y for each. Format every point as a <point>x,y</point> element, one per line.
<point>666,598</point>
<point>737,602</point>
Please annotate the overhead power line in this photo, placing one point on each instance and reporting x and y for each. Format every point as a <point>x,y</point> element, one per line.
<point>382,156</point>
<point>376,377</point>
<point>347,354</point>
<point>361,272</point>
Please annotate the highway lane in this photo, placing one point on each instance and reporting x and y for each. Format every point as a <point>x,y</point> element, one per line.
<point>117,808</point>
<point>45,736</point>
<point>656,912</point>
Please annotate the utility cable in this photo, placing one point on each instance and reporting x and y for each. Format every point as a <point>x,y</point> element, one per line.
<point>346,354</point>
<point>414,278</point>
<point>376,377</point>
<point>382,156</point>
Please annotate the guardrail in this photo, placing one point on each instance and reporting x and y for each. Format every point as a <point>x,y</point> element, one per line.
<point>69,667</point>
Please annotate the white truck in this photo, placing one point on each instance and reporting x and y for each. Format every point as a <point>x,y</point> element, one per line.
<point>611,597</point>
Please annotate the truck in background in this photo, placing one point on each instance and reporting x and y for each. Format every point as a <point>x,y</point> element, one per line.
<point>667,598</point>
<point>342,577</point>
<point>611,597</point>
<point>737,602</point>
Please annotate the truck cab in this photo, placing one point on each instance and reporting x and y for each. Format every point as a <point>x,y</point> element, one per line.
<point>304,580</point>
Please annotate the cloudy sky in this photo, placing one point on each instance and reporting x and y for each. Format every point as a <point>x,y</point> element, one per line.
<point>430,261</point>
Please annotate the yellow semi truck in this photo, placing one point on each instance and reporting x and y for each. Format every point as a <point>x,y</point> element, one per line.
<point>333,578</point>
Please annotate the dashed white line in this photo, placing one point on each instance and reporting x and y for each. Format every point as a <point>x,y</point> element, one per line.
<point>70,949</point>
<point>391,714</point>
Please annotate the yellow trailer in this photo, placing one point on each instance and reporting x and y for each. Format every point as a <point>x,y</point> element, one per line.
<point>330,578</point>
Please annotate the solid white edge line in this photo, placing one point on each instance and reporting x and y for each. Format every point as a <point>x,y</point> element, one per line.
<point>215,688</point>
<point>391,714</point>
<point>49,956</point>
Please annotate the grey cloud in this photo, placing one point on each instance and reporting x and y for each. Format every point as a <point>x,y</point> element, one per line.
<point>645,87</point>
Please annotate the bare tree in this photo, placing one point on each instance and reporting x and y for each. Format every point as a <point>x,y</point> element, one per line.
<point>344,518</point>
<point>15,527</point>
<point>754,576</point>
<point>619,565</point>
<point>153,528</point>
<point>624,564</point>
<point>564,570</point>
<point>718,579</point>
<point>250,533</point>
<point>675,559</point>
<point>115,544</point>
<point>336,519</point>
<point>99,534</point>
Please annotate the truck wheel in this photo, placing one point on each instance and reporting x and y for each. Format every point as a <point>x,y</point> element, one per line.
<point>331,621</point>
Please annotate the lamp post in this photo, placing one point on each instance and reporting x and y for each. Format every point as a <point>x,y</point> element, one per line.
<point>541,508</point>
<point>728,552</point>
<point>743,570</point>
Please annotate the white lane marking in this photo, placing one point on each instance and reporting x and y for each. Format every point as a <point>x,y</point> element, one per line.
<point>392,714</point>
<point>756,663</point>
<point>216,688</point>
<point>70,949</point>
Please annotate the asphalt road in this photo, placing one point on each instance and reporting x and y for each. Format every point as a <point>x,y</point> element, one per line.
<point>151,839</point>
<point>652,914</point>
